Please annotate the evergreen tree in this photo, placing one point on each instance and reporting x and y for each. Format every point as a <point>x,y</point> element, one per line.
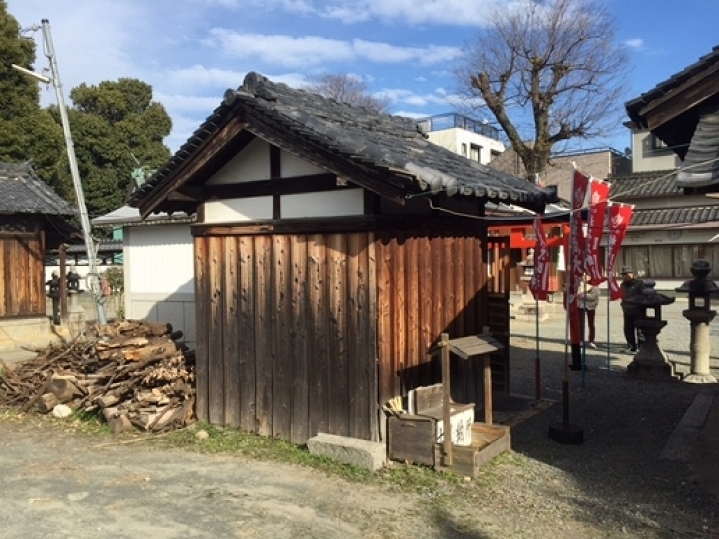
<point>27,132</point>
<point>115,125</point>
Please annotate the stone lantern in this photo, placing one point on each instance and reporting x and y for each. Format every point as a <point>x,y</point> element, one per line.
<point>527,266</point>
<point>699,314</point>
<point>529,306</point>
<point>650,360</point>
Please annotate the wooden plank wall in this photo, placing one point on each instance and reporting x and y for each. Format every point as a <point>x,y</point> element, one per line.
<point>286,343</point>
<point>22,274</point>
<point>429,284</point>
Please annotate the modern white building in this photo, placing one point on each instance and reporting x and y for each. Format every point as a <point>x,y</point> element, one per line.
<point>470,138</point>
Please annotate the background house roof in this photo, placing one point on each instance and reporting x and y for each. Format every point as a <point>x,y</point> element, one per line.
<point>672,109</point>
<point>656,187</point>
<point>654,183</point>
<point>384,153</point>
<point>675,81</point>
<point>129,216</point>
<point>21,191</point>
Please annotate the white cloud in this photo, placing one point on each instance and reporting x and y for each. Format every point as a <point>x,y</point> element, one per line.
<point>293,6</point>
<point>392,54</point>
<point>636,43</point>
<point>411,114</point>
<point>413,12</point>
<point>310,51</point>
<point>199,76</point>
<point>283,50</point>
<point>402,95</point>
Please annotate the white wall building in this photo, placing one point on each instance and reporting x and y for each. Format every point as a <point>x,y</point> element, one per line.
<point>649,153</point>
<point>475,140</point>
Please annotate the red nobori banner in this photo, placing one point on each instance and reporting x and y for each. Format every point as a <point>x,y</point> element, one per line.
<point>598,199</point>
<point>539,285</point>
<point>619,217</point>
<point>576,257</point>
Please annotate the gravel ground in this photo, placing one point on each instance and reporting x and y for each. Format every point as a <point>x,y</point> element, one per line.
<point>614,484</point>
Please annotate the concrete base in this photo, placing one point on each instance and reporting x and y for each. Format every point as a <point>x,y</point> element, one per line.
<point>363,453</point>
<point>695,378</point>
<point>35,333</point>
<point>529,311</point>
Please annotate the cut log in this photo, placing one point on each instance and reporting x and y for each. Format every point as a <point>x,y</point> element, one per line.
<point>64,389</point>
<point>119,424</point>
<point>106,401</point>
<point>166,349</point>
<point>110,413</point>
<point>131,369</point>
<point>158,329</point>
<point>47,402</point>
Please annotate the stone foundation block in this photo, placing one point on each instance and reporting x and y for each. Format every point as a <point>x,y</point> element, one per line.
<point>363,453</point>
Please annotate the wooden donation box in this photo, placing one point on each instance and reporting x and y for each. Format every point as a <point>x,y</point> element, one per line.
<point>418,436</point>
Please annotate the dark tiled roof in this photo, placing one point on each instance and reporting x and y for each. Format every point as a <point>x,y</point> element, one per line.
<point>705,62</point>
<point>656,183</point>
<point>694,215</point>
<point>379,146</point>
<point>105,246</point>
<point>21,191</point>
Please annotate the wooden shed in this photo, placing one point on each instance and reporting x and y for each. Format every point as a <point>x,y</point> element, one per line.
<point>333,245</point>
<point>32,218</point>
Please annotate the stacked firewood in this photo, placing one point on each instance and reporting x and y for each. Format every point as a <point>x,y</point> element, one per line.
<point>133,372</point>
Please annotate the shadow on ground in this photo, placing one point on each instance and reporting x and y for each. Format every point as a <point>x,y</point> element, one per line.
<point>626,422</point>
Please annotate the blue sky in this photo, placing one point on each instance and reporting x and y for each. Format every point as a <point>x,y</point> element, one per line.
<point>191,51</point>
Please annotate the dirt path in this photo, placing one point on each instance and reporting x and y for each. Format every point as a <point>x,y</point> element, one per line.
<point>63,485</point>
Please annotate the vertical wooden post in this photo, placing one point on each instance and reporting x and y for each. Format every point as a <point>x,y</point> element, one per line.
<point>487,390</point>
<point>447,401</point>
<point>487,365</point>
<point>63,282</point>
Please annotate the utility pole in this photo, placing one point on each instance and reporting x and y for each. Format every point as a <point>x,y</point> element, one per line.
<point>95,289</point>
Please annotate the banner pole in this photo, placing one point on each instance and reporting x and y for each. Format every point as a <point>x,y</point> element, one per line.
<point>606,273</point>
<point>537,362</point>
<point>564,432</point>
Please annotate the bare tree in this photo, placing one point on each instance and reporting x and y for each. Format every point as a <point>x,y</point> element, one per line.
<point>548,71</point>
<point>346,88</point>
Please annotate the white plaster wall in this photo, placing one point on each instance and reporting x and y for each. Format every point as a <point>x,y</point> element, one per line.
<point>238,209</point>
<point>291,165</point>
<point>160,276</point>
<point>326,204</point>
<point>251,164</point>
<point>160,258</point>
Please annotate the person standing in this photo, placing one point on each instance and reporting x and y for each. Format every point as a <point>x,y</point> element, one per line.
<point>588,299</point>
<point>630,287</point>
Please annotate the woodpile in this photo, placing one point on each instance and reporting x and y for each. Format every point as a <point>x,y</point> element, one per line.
<point>133,373</point>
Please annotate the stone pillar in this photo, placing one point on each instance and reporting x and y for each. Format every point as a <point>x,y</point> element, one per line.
<point>700,290</point>
<point>699,346</point>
